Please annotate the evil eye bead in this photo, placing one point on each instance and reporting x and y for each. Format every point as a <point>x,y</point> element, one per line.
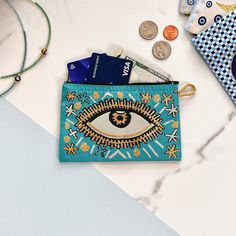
<point>202,20</point>
<point>218,18</point>
<point>190,2</point>
<point>209,4</point>
<point>17,78</point>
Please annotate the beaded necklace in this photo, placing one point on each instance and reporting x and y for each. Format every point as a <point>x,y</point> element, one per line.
<point>23,68</point>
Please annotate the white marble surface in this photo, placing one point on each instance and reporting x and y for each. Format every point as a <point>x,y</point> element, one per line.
<point>195,196</point>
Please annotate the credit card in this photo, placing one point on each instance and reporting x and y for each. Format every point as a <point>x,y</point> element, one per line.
<point>143,71</point>
<point>78,71</point>
<point>106,69</point>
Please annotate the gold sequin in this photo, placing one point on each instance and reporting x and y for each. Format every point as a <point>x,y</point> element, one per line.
<point>145,98</point>
<point>120,95</point>
<point>80,125</point>
<point>67,139</point>
<point>136,152</point>
<point>96,95</point>
<point>77,105</point>
<point>84,147</point>
<point>71,96</point>
<point>67,125</point>
<point>156,98</point>
<point>175,125</point>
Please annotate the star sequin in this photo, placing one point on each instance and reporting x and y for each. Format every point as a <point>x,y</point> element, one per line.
<point>167,99</point>
<point>173,110</point>
<point>84,98</point>
<point>70,149</point>
<point>172,150</point>
<point>71,96</point>
<point>73,133</point>
<point>172,136</point>
<point>70,110</point>
<point>101,150</point>
<point>145,98</point>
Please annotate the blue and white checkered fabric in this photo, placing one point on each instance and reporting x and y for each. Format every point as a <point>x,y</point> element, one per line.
<point>217,46</point>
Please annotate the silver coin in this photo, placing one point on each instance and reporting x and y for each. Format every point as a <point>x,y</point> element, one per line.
<point>161,50</point>
<point>148,30</point>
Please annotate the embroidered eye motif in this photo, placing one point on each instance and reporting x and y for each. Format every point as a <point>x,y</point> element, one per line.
<point>190,2</point>
<point>218,18</point>
<point>202,20</point>
<point>209,4</point>
<point>119,123</point>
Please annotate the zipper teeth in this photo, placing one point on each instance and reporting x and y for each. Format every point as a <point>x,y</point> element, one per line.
<point>160,83</point>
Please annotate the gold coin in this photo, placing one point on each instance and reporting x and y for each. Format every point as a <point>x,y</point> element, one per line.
<point>67,125</point>
<point>136,152</point>
<point>119,94</point>
<point>156,98</point>
<point>77,105</point>
<point>67,139</point>
<point>96,95</point>
<point>175,124</point>
<point>84,147</point>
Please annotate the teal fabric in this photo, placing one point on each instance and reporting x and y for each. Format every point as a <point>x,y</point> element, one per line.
<point>136,122</point>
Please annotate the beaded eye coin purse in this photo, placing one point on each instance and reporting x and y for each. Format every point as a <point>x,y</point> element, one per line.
<point>106,123</point>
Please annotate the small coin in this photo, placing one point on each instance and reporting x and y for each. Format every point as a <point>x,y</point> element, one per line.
<point>161,50</point>
<point>170,32</point>
<point>148,30</point>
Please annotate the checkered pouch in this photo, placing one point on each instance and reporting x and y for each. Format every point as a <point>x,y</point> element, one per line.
<point>217,46</point>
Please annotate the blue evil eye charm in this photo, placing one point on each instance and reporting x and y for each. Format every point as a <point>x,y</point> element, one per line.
<point>202,20</point>
<point>190,2</point>
<point>218,18</point>
<point>233,67</point>
<point>209,4</point>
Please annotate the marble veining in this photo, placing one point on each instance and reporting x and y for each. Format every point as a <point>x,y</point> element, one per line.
<point>151,201</point>
<point>2,40</point>
<point>200,151</point>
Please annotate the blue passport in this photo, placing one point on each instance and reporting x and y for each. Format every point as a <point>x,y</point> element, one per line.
<point>106,69</point>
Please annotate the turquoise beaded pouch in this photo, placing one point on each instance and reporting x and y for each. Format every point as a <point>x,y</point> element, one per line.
<point>135,122</point>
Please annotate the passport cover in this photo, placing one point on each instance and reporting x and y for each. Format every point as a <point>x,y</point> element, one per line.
<point>106,123</point>
<point>217,46</point>
<point>205,13</point>
<point>185,6</point>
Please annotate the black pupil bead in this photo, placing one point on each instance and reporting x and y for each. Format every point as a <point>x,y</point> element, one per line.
<point>120,119</point>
